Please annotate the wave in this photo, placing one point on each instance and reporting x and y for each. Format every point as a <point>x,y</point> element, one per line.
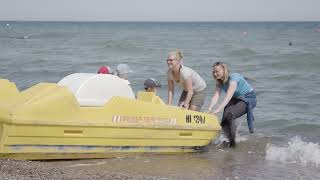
<point>296,59</point>
<point>296,151</point>
<point>121,44</point>
<point>54,35</point>
<point>302,128</point>
<point>285,76</point>
<point>243,52</point>
<point>17,37</point>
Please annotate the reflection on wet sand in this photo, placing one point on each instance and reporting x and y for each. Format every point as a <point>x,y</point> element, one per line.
<point>187,166</point>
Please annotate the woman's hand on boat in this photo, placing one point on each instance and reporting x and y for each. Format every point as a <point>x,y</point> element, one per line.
<point>215,111</point>
<point>184,105</point>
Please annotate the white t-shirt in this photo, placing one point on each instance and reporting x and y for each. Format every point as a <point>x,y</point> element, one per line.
<point>127,81</point>
<point>198,84</point>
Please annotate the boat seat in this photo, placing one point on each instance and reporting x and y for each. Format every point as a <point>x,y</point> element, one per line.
<point>96,89</point>
<point>8,89</point>
<point>149,97</point>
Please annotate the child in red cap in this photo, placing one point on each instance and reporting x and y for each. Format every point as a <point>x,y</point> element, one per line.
<point>104,70</point>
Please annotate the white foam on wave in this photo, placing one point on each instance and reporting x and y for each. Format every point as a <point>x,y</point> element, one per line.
<point>239,138</point>
<point>296,151</point>
<point>222,138</point>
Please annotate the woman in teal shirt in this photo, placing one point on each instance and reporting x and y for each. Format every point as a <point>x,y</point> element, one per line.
<point>240,99</point>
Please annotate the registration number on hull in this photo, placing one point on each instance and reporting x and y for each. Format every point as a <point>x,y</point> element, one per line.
<point>196,118</point>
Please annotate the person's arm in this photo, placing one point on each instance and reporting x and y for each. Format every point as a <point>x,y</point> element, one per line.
<point>215,97</point>
<point>170,91</point>
<point>189,88</point>
<point>232,88</point>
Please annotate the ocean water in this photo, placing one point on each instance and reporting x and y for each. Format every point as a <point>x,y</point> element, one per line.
<point>286,78</point>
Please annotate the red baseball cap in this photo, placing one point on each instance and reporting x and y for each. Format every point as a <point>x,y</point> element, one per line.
<point>104,70</point>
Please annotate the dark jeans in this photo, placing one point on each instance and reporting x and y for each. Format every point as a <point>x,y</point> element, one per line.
<point>234,109</point>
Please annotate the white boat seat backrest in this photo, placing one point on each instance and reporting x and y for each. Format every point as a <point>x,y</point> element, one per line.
<point>96,89</point>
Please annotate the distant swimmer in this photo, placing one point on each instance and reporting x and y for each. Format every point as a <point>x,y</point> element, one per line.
<point>16,35</point>
<point>244,33</point>
<point>290,44</point>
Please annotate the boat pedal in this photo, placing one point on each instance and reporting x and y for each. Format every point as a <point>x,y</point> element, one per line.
<point>185,134</point>
<point>73,132</point>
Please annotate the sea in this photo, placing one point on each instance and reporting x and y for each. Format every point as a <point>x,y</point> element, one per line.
<point>280,59</point>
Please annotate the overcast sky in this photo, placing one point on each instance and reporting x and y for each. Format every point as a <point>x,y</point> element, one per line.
<point>160,10</point>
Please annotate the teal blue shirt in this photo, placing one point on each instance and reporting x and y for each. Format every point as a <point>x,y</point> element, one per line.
<point>243,87</point>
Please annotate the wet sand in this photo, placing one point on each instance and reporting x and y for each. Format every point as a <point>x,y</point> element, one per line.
<point>246,162</point>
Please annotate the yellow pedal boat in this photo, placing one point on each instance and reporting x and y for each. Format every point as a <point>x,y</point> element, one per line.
<point>95,116</point>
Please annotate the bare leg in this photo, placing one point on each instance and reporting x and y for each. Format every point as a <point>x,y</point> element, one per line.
<point>194,108</point>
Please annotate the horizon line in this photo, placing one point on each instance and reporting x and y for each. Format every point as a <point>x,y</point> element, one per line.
<point>137,21</point>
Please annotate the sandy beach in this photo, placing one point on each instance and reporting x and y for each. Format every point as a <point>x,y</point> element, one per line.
<point>18,169</point>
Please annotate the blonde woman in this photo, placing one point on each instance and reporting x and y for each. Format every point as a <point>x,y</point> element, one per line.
<point>240,99</point>
<point>194,87</point>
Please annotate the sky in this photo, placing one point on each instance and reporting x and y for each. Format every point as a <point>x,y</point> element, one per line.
<point>160,10</point>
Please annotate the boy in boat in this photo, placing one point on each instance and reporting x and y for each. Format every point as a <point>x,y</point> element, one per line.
<point>149,95</point>
<point>151,85</point>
